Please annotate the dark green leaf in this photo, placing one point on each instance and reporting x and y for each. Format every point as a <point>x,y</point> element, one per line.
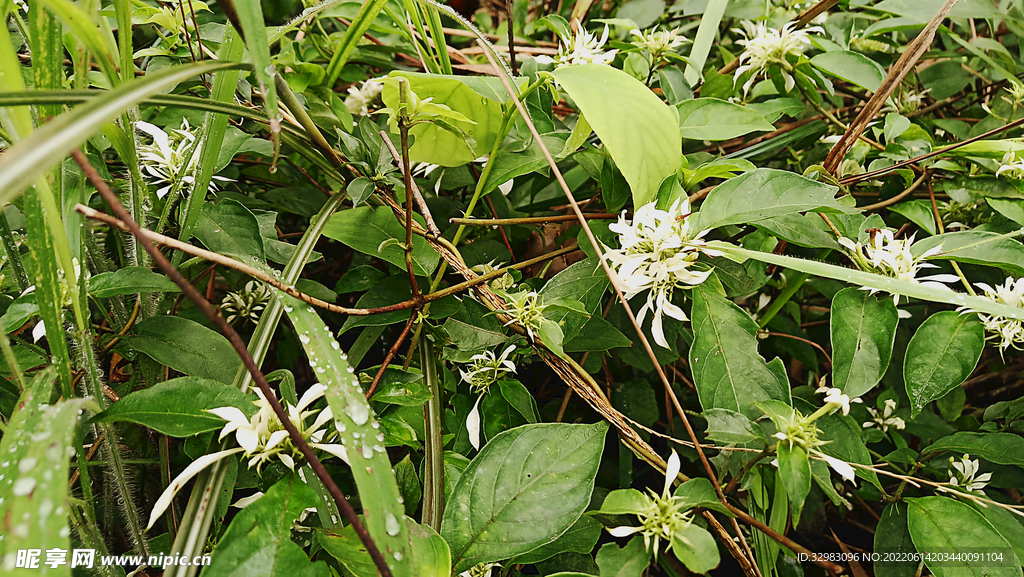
<point>728,372</point>
<point>944,524</point>
<point>129,280</point>
<point>731,427</point>
<point>365,229</point>
<point>795,473</point>
<point>629,561</point>
<point>863,332</point>
<point>976,247</point>
<point>178,407</point>
<point>580,538</point>
<point>187,347</point>
<point>941,355</point>
<point>495,513</point>
<point>892,539</point>
<point>1001,448</point>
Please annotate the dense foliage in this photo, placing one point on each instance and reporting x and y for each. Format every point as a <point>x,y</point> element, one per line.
<point>697,286</point>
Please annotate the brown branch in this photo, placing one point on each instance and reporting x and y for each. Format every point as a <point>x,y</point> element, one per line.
<point>391,354</point>
<point>417,196</point>
<point>243,352</point>
<point>891,201</point>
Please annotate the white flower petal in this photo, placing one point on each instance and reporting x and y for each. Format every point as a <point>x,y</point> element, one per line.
<point>192,470</point>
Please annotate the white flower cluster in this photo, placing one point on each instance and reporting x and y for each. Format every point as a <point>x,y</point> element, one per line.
<point>765,47</point>
<point>885,419</point>
<point>246,304</point>
<point>583,48</point>
<point>359,99</point>
<point>479,570</point>
<point>657,250</point>
<point>262,438</point>
<point>661,516</point>
<point>172,156</point>
<point>1011,166</point>
<point>837,399</point>
<point>889,257</point>
<point>658,42</point>
<point>1008,332</point>
<point>964,475</point>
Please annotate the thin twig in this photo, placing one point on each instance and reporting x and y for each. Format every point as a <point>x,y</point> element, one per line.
<point>391,354</point>
<point>529,219</point>
<point>236,342</point>
<point>417,196</point>
<point>891,201</point>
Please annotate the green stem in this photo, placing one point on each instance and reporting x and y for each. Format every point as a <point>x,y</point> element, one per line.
<point>791,287</point>
<point>433,478</point>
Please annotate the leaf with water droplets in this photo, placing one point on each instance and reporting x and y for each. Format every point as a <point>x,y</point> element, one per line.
<point>34,457</point>
<point>357,428</point>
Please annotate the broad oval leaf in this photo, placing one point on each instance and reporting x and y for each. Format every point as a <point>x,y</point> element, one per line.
<point>526,485</point>
<point>863,332</point>
<point>178,407</point>
<point>640,131</point>
<point>976,247</point>
<point>727,370</point>
<point>580,538</point>
<point>187,347</point>
<point>365,229</point>
<point>727,426</point>
<point>852,67</point>
<point>714,119</point>
<point>940,356</point>
<point>128,281</point>
<point>629,561</point>
<point>1001,448</point>
<point>765,193</point>
<point>947,525</point>
<point>892,537</point>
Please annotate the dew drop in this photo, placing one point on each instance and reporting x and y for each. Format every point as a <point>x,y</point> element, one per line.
<point>392,527</point>
<point>358,412</point>
<point>23,486</point>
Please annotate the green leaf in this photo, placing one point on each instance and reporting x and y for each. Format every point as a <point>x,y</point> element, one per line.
<point>765,193</point>
<point>1001,448</point>
<point>254,29</point>
<point>526,485</point>
<point>852,67</point>
<point>400,388</point>
<point>638,129</point>
<point>1008,525</point>
<point>698,492</point>
<point>178,407</point>
<point>258,542</point>
<point>580,538</point>
<point>696,548</point>
<point>509,164</point>
<point>431,556</point>
<point>88,33</point>
<point>623,502</point>
<point>597,335</point>
<point>130,280</point>
<point>940,356</point>
<point>976,247</point>
<point>801,230</point>
<point>32,156</point>
<point>944,524</point>
<point>344,545</point>
<point>714,119</point>
<point>478,99</point>
<point>728,372</point>
<point>365,229</point>
<point>358,431</point>
<point>731,427</point>
<point>629,561</point>
<point>35,462</point>
<point>584,282</point>
<point>230,229</point>
<point>187,347</point>
<point>795,473</point>
<point>863,332</point>
<point>892,537</point>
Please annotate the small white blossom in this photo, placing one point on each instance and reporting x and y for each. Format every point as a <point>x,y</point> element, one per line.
<point>885,419</point>
<point>889,257</point>
<point>1014,94</point>
<point>359,99</point>
<point>524,310</point>
<point>765,47</point>
<point>657,250</point>
<point>662,516</point>
<point>658,42</point>
<point>485,369</point>
<point>171,156</point>
<point>1011,166</point>
<point>1008,332</point>
<point>583,48</point>
<point>836,398</point>
<point>262,438</point>
<point>22,4</point>
<point>246,304</point>
<point>964,475</point>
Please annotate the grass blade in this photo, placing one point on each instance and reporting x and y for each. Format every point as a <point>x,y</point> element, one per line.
<point>360,24</point>
<point>706,33</point>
